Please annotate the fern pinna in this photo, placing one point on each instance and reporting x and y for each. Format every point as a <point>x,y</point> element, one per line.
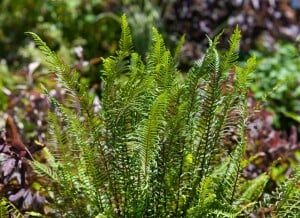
<point>156,148</point>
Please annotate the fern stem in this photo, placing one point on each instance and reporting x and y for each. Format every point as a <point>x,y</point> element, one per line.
<point>235,184</point>
<point>179,185</point>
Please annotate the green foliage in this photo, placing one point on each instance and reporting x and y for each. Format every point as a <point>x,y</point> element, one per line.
<point>7,82</point>
<point>63,24</point>
<point>143,15</point>
<point>7,209</point>
<point>277,81</point>
<point>288,197</point>
<point>155,149</point>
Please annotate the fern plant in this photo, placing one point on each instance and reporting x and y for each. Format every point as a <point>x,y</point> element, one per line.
<point>156,148</point>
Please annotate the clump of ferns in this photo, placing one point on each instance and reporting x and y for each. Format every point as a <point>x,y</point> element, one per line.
<point>155,149</point>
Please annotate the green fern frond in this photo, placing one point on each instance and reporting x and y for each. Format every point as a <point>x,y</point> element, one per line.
<point>207,191</point>
<point>60,138</point>
<point>211,127</point>
<point>230,175</point>
<point>165,72</point>
<point>229,182</point>
<point>288,197</point>
<point>8,209</point>
<point>158,44</point>
<point>210,63</point>
<point>179,47</point>
<point>90,184</point>
<point>242,74</point>
<point>147,134</point>
<point>51,57</point>
<point>65,76</point>
<point>210,206</point>
<point>114,67</point>
<point>93,173</point>
<point>212,121</point>
<point>202,69</point>
<point>137,67</point>
<point>211,96</point>
<point>252,190</point>
<point>82,140</point>
<point>56,136</point>
<point>34,214</point>
<point>3,208</point>
<point>45,170</point>
<point>231,56</point>
<point>160,63</point>
<point>157,52</point>
<point>110,72</point>
<point>125,43</point>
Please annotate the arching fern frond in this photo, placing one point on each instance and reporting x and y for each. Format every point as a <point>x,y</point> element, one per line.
<point>45,170</point>
<point>68,78</point>
<point>55,62</point>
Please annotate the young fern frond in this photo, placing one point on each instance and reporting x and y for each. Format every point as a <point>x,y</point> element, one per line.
<point>160,62</point>
<point>114,67</point>
<point>231,56</point>
<point>158,49</point>
<point>125,43</point>
<point>242,75</point>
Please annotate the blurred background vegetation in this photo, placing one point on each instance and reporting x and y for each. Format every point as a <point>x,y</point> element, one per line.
<point>83,31</point>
